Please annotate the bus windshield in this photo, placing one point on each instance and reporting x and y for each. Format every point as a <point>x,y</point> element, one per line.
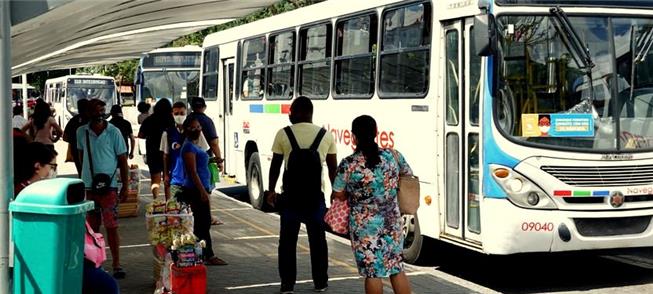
<point>170,84</point>
<point>545,95</point>
<point>105,93</point>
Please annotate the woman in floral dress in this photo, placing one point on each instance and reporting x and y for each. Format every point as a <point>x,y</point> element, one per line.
<point>368,180</point>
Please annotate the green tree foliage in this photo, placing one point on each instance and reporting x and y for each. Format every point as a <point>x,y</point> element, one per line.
<point>124,71</point>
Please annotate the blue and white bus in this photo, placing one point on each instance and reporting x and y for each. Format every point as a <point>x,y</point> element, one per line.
<point>171,73</point>
<point>529,122</point>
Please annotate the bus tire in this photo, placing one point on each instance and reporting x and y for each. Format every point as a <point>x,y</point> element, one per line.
<point>413,240</point>
<point>255,182</point>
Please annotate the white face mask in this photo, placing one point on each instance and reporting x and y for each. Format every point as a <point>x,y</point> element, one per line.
<point>179,119</point>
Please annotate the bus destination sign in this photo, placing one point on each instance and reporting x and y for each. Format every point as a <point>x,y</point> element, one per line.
<point>177,59</point>
<point>90,82</point>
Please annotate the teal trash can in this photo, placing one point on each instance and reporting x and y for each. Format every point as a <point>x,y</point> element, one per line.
<point>48,234</point>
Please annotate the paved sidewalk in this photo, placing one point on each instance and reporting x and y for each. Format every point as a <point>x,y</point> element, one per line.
<point>248,241</point>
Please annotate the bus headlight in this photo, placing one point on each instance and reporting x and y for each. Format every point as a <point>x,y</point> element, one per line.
<point>521,191</point>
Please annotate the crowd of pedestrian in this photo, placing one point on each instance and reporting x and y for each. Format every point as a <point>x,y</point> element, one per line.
<point>180,147</point>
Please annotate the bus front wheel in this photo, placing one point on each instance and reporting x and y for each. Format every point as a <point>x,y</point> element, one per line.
<point>413,240</point>
<point>255,181</point>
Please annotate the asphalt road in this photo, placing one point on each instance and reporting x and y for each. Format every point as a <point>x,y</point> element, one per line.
<point>627,271</point>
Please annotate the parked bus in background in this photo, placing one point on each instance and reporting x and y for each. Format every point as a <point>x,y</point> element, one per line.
<point>17,94</point>
<point>171,73</point>
<point>529,122</point>
<point>63,92</point>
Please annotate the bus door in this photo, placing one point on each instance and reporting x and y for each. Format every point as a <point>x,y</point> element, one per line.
<point>461,133</point>
<point>229,139</point>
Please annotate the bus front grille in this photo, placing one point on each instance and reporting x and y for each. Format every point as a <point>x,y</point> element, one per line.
<point>614,226</point>
<point>602,176</point>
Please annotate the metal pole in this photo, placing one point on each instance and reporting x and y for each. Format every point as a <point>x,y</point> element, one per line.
<point>6,148</point>
<point>24,80</point>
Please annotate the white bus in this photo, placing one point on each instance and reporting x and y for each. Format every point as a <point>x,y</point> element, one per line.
<point>506,110</point>
<point>63,92</point>
<point>171,73</point>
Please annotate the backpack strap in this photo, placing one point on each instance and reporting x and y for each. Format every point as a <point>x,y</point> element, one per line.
<point>291,138</point>
<point>318,139</point>
<point>88,151</point>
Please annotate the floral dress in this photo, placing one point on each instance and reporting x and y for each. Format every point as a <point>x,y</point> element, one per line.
<point>375,224</point>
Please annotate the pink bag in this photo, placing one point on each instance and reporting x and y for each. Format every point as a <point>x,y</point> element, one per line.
<point>94,247</point>
<point>338,216</point>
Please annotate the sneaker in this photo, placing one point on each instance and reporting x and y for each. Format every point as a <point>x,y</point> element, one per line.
<point>321,289</point>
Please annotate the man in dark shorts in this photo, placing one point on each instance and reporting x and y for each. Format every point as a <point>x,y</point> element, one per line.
<point>125,128</point>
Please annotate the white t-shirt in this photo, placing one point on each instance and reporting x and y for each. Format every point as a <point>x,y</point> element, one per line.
<point>18,122</point>
<point>164,143</point>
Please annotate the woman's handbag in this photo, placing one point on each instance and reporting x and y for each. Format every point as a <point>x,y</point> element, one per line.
<point>338,216</point>
<point>94,247</point>
<point>407,191</point>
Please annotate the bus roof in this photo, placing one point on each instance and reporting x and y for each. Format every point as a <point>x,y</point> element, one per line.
<point>325,10</point>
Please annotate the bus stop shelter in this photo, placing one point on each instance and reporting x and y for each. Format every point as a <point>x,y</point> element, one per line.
<point>38,35</point>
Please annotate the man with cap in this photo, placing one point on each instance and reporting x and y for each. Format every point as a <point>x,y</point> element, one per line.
<point>198,106</point>
<point>125,128</point>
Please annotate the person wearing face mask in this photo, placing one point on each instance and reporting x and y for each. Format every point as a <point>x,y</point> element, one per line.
<point>197,187</point>
<point>40,164</point>
<point>171,142</point>
<point>102,149</point>
<point>125,128</point>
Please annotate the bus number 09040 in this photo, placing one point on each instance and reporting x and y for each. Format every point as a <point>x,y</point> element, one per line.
<point>537,227</point>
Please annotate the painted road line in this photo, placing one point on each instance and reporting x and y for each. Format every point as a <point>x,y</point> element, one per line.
<point>331,279</point>
<point>264,237</point>
<point>230,209</point>
<point>131,246</point>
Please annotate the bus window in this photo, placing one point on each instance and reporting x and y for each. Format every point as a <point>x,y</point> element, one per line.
<point>315,61</point>
<point>405,51</point>
<point>210,74</point>
<point>475,78</point>
<point>356,49</point>
<point>281,69</point>
<point>452,78</point>
<point>253,68</point>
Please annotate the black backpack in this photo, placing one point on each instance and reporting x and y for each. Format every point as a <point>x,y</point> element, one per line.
<point>302,179</point>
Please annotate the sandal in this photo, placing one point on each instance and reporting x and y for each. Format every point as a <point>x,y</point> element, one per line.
<point>215,261</point>
<point>119,273</point>
<point>215,221</point>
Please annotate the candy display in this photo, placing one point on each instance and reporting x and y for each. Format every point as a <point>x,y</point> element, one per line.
<point>165,220</point>
<point>186,250</point>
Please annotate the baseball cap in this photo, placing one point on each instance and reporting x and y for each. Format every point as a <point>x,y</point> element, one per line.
<point>197,102</point>
<point>116,109</point>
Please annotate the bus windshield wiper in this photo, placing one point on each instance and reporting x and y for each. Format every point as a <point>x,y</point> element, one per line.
<point>639,48</point>
<point>580,51</point>
<point>642,46</point>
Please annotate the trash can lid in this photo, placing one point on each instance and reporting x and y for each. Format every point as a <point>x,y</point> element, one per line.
<point>53,196</point>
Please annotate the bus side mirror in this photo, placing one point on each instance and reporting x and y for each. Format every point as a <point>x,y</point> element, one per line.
<point>485,35</point>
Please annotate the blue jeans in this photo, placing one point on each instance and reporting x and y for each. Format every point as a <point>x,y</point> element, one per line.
<point>291,219</point>
<point>97,281</point>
